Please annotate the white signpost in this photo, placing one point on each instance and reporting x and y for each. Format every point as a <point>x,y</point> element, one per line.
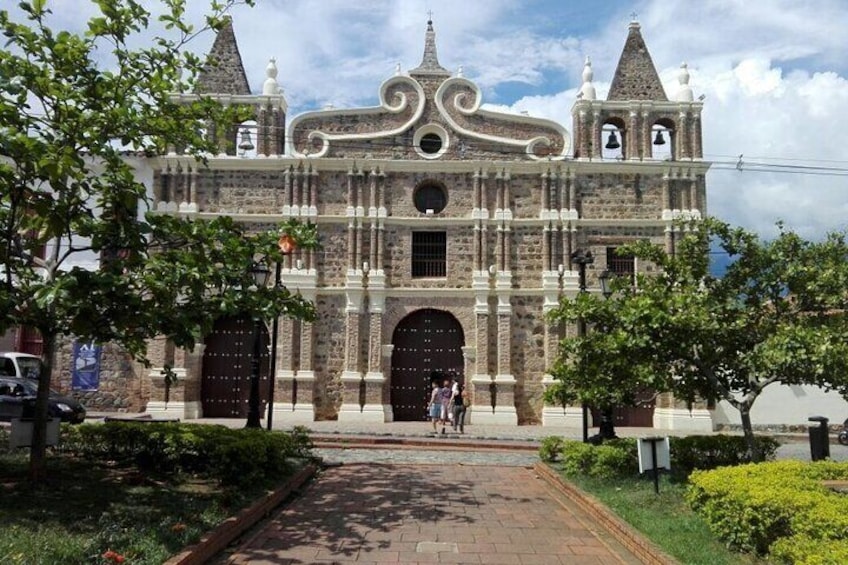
<point>654,454</point>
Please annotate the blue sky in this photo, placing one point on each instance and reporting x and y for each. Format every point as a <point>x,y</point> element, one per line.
<point>773,73</point>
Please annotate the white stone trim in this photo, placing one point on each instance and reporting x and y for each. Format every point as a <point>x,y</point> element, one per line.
<point>568,417</point>
<point>501,416</point>
<point>288,413</point>
<point>184,410</point>
<point>527,144</point>
<point>696,420</point>
<point>385,106</point>
<point>428,129</point>
<point>156,373</point>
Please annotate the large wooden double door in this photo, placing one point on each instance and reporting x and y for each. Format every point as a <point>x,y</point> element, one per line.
<point>225,384</point>
<point>425,342</point>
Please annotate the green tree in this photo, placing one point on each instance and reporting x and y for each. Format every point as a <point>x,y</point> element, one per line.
<point>775,316</point>
<point>72,106</point>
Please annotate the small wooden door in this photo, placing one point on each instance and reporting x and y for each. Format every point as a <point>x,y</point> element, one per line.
<point>225,384</point>
<point>424,342</point>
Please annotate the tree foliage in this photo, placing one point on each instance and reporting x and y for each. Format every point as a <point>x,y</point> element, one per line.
<point>777,315</point>
<point>78,113</point>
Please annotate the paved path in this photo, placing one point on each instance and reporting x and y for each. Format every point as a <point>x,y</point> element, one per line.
<point>430,514</point>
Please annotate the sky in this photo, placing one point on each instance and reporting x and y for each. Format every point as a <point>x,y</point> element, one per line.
<point>773,73</point>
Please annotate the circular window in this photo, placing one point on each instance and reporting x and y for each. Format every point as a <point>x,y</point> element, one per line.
<point>430,198</point>
<point>431,143</point>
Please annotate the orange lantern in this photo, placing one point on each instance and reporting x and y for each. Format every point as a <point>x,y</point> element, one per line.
<point>287,244</point>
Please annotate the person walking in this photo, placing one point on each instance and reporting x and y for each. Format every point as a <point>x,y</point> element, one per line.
<point>459,408</point>
<point>445,395</point>
<point>435,406</point>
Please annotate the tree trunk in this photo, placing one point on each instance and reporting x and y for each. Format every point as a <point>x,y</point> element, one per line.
<point>748,430</point>
<point>38,451</point>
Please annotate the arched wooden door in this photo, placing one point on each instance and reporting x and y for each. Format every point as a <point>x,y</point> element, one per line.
<point>424,341</point>
<point>225,384</point>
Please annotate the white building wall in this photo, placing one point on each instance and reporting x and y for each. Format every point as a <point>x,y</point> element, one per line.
<point>783,405</point>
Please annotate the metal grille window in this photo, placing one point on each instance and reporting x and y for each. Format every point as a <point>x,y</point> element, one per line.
<point>429,253</point>
<point>621,265</point>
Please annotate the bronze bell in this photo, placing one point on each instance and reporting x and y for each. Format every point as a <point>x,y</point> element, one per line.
<point>246,141</point>
<point>659,139</point>
<point>612,142</point>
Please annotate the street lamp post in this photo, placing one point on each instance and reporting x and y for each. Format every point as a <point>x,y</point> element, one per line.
<point>260,274</point>
<point>581,259</point>
<point>287,245</point>
<point>606,429</point>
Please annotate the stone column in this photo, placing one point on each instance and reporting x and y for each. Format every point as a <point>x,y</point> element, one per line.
<point>377,408</point>
<point>284,384</point>
<point>352,377</point>
<point>181,400</point>
<point>634,145</point>
<point>503,385</point>
<point>597,151</point>
<point>480,384</point>
<point>469,355</point>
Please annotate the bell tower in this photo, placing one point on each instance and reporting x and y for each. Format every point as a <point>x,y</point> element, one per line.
<point>637,121</point>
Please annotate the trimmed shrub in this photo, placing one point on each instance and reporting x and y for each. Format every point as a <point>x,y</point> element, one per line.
<point>710,452</point>
<point>803,550</point>
<point>614,458</point>
<point>233,457</point>
<point>550,449</point>
<point>751,507</point>
<point>619,457</point>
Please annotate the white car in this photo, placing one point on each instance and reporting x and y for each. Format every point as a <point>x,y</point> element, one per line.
<point>22,365</point>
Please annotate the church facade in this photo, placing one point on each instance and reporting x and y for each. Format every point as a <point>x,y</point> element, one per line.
<point>447,233</point>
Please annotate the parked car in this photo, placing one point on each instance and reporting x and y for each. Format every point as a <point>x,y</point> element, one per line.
<point>17,400</point>
<point>23,365</point>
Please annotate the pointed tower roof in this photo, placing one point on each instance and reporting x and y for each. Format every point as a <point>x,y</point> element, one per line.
<point>224,73</point>
<point>430,62</point>
<point>636,76</point>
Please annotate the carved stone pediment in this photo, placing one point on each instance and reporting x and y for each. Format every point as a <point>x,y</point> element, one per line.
<point>412,107</point>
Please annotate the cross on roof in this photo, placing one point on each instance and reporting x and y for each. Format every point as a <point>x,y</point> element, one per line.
<point>634,16</point>
<point>430,15</point>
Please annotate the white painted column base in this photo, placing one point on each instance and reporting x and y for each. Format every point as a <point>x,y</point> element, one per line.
<point>568,417</point>
<point>349,411</point>
<point>286,414</point>
<point>183,410</point>
<point>500,416</point>
<point>699,420</point>
<point>373,413</point>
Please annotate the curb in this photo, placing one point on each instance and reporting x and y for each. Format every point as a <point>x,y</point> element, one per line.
<point>623,532</point>
<point>222,535</point>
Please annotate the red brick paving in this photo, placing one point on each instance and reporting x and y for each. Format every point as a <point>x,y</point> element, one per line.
<point>472,514</point>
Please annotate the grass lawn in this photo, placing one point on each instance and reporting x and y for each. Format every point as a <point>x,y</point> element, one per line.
<point>86,509</point>
<point>665,519</point>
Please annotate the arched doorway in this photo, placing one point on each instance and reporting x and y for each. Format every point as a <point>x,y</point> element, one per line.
<point>424,341</point>
<point>225,384</point>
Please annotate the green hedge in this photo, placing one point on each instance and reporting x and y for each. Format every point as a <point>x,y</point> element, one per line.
<point>619,457</point>
<point>232,456</point>
<point>780,508</point>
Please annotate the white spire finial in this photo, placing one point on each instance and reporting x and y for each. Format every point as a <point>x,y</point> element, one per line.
<point>587,90</point>
<point>270,86</point>
<point>684,91</point>
<point>397,69</point>
<point>460,71</point>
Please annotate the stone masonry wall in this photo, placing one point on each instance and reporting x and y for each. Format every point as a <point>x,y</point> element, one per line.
<point>120,387</point>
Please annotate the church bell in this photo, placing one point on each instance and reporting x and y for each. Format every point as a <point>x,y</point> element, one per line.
<point>612,142</point>
<point>659,139</point>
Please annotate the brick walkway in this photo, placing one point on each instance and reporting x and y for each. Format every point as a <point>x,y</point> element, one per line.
<point>430,514</point>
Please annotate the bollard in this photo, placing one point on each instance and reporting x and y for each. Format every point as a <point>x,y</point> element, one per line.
<point>819,438</point>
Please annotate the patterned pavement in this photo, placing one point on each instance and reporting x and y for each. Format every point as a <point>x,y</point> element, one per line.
<point>448,513</point>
